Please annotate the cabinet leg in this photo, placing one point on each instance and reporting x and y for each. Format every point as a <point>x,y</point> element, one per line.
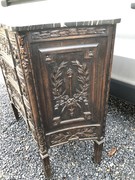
<point>98,147</point>
<point>15,111</point>
<point>47,167</point>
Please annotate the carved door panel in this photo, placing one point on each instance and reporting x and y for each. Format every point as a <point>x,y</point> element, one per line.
<point>69,76</point>
<point>10,61</point>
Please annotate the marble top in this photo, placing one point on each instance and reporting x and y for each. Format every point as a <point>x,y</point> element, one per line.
<point>58,13</point>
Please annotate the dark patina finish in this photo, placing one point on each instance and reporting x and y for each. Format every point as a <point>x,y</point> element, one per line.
<point>58,80</point>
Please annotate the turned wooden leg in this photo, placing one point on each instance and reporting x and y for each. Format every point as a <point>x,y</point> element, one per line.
<point>47,167</point>
<point>15,111</point>
<point>98,147</point>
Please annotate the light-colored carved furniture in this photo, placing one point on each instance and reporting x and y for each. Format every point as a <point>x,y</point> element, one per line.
<point>57,76</point>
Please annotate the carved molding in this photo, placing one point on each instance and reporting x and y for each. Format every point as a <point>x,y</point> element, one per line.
<point>24,55</point>
<point>41,35</point>
<point>24,66</point>
<point>63,137</point>
<point>40,136</point>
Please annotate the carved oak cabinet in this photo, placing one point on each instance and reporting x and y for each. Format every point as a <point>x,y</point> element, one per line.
<point>57,77</point>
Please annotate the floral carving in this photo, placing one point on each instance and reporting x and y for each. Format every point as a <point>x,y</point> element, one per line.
<point>83,78</point>
<point>66,136</point>
<point>24,55</point>
<point>57,82</point>
<point>70,101</point>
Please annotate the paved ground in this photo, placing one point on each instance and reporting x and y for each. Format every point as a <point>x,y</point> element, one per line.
<point>19,158</point>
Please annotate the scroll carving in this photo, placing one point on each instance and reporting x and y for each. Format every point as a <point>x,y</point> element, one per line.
<point>66,136</point>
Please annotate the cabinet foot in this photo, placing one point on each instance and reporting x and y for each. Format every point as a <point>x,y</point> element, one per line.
<point>98,147</point>
<point>15,111</point>
<point>47,167</point>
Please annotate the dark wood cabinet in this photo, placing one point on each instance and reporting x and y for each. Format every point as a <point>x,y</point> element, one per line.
<point>58,80</point>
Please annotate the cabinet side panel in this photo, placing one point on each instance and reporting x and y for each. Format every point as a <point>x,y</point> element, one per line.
<point>107,76</point>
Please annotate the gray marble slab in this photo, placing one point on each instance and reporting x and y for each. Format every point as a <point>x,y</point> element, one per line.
<point>58,13</point>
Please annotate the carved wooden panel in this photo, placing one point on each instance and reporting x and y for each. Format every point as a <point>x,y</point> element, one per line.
<point>5,50</point>
<point>14,73</point>
<point>18,63</point>
<point>23,69</point>
<point>11,76</point>
<point>63,136</point>
<point>14,47</point>
<point>67,79</point>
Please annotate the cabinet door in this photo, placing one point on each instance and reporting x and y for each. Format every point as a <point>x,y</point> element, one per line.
<point>70,79</point>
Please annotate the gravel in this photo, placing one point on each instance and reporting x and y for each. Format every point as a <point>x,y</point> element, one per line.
<point>20,160</point>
